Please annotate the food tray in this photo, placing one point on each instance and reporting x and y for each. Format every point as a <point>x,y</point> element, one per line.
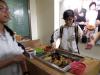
<point>66,59</point>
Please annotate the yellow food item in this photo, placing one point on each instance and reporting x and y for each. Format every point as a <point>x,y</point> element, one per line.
<point>47,58</point>
<point>91,27</point>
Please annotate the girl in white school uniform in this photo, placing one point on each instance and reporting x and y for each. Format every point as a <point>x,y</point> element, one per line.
<point>11,55</point>
<point>67,36</point>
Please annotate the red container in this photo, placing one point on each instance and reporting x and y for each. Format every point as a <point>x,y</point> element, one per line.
<point>77,68</point>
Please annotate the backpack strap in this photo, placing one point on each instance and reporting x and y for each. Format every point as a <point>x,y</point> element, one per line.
<point>52,39</point>
<point>76,36</point>
<point>61,32</point>
<point>10,31</point>
<point>22,46</point>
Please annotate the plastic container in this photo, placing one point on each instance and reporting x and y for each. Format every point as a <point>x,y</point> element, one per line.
<point>32,53</point>
<point>77,68</point>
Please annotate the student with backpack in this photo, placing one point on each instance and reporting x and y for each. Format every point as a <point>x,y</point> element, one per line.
<point>67,33</point>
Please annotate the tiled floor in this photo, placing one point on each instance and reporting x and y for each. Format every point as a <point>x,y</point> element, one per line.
<point>94,52</point>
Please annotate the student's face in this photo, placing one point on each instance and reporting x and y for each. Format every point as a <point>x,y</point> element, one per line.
<point>4,13</point>
<point>93,7</point>
<point>69,21</point>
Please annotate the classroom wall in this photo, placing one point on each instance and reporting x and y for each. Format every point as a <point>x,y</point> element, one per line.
<point>42,19</point>
<point>33,19</point>
<point>45,19</point>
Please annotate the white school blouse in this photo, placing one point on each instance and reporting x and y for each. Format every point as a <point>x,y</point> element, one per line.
<point>91,16</point>
<point>8,49</point>
<point>68,41</point>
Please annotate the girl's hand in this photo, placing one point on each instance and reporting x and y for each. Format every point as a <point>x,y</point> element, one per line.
<point>19,58</point>
<point>53,45</point>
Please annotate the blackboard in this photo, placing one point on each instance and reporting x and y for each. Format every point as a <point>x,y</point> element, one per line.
<point>19,16</point>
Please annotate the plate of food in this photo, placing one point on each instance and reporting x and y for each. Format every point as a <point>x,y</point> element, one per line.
<point>59,59</point>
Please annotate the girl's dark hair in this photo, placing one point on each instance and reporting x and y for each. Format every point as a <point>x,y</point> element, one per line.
<point>12,34</point>
<point>68,13</point>
<point>10,31</point>
<point>3,1</point>
<point>92,3</point>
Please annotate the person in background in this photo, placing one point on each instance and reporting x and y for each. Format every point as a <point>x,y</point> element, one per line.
<point>80,15</point>
<point>66,33</point>
<point>98,21</point>
<point>11,55</point>
<point>95,23</point>
<point>91,16</point>
<point>97,34</point>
